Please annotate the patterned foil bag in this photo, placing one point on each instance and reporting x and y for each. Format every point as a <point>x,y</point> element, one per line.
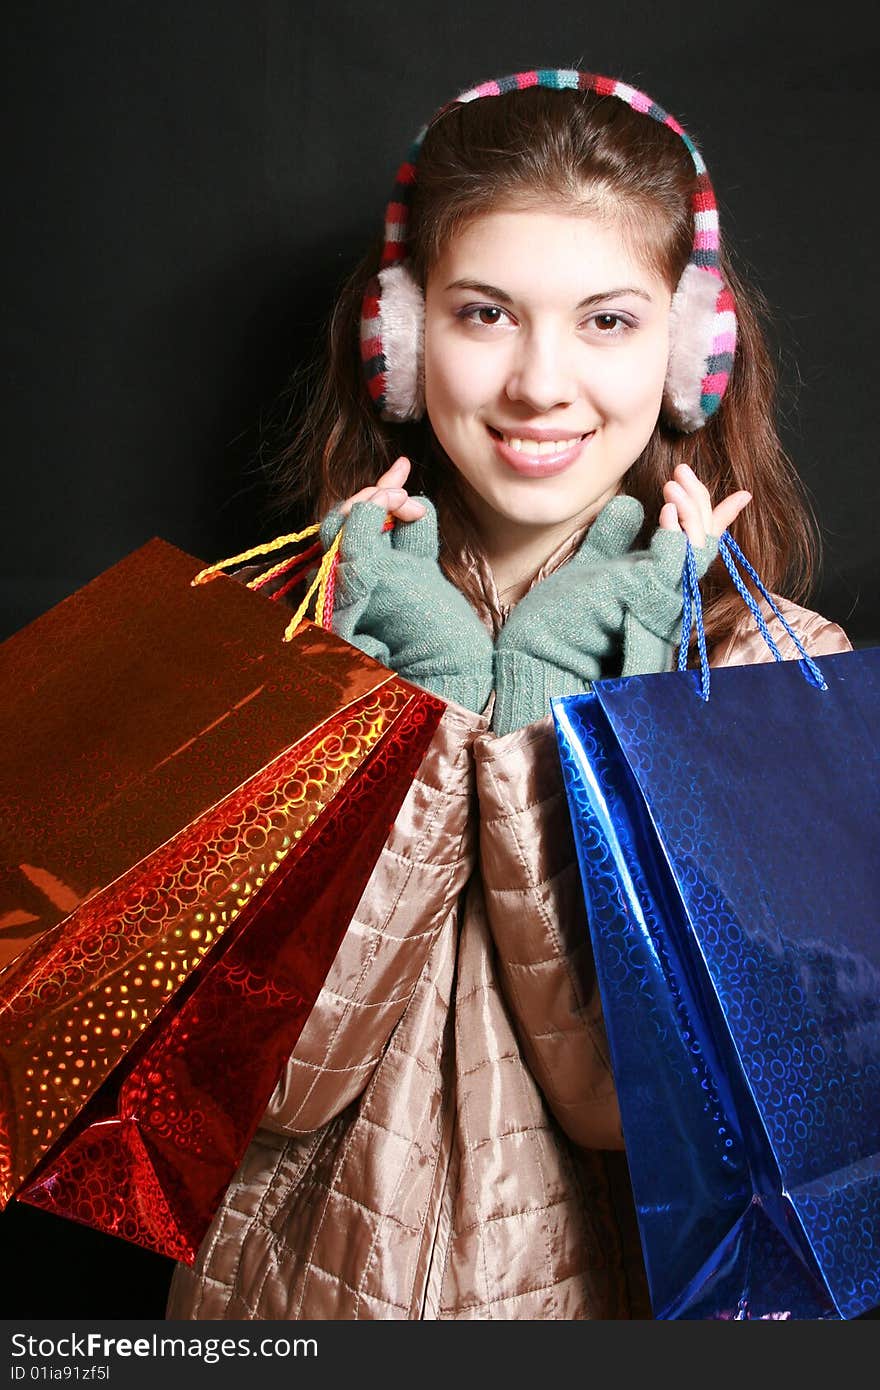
<point>729,850</point>
<point>191,808</point>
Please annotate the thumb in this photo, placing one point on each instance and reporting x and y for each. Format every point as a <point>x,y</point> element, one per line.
<point>330,527</point>
<point>613,531</point>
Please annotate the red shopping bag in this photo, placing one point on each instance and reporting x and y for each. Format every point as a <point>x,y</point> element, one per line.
<point>191,807</point>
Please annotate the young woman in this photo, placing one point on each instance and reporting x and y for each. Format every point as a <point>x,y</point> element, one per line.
<point>560,380</point>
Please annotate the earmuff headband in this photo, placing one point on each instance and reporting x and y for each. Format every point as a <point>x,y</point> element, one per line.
<point>703,316</point>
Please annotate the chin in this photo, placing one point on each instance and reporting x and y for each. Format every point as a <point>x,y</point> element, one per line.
<point>536,506</point>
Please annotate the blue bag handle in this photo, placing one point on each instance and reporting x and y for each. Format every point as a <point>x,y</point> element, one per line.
<point>692,609</point>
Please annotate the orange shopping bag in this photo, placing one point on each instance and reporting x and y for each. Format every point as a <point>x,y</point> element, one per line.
<point>191,808</point>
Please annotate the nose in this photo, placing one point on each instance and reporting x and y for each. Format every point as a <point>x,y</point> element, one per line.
<point>542,373</point>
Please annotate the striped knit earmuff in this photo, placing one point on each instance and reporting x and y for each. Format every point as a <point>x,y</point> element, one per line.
<point>702,317</point>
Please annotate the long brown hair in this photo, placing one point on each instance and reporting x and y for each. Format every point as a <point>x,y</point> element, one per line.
<point>572,151</point>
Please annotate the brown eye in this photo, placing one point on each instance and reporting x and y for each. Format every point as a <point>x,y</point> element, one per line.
<point>474,313</point>
<point>607,322</point>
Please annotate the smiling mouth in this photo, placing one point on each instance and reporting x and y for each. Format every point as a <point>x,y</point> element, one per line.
<point>543,459</point>
<point>531,448</point>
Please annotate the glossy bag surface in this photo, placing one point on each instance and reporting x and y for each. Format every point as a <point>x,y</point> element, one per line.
<point>192,808</point>
<point>729,855</point>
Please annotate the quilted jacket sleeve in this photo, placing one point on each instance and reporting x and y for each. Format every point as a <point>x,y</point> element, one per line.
<point>747,647</point>
<point>538,922</point>
<point>415,885</point>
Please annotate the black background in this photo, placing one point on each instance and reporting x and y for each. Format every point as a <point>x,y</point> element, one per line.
<point>185,187</point>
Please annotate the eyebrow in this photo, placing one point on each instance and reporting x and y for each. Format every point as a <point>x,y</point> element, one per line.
<point>494,292</point>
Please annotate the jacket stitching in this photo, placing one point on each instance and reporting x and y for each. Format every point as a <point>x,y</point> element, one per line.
<point>366,1003</point>
<point>411,1139</point>
<point>221,1221</point>
<point>427,1106</point>
<point>349,1140</point>
<point>439,803</point>
<point>384,935</point>
<point>335,1071</point>
<point>544,916</point>
<point>524,1293</point>
<point>522,1075</point>
<point>579,948</point>
<point>499,891</point>
<point>502,817</point>
<point>468,1156</point>
<point>490,1062</point>
<point>589,1031</point>
<point>515,1215</point>
<point>260,1219</point>
<point>341,1193</point>
<point>373,1297</point>
<point>510,1134</point>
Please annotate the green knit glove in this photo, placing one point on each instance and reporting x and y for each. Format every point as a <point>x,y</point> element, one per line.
<point>555,639</point>
<point>395,603</point>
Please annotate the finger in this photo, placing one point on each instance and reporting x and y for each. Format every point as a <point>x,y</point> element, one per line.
<point>697,498</point>
<point>363,496</point>
<point>396,498</point>
<point>696,490</point>
<point>418,537</point>
<point>689,512</point>
<point>396,475</point>
<point>669,517</point>
<point>727,511</point>
<point>685,477</point>
<point>387,498</point>
<point>410,510</point>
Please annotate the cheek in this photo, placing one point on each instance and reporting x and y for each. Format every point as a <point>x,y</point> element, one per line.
<point>631,383</point>
<point>457,375</point>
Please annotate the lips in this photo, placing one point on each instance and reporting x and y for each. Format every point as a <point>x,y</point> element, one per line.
<point>541,465</point>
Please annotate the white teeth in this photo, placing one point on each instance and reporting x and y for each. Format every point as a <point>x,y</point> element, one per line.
<point>531,446</point>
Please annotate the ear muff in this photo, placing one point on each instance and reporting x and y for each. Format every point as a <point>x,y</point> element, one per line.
<point>702,318</point>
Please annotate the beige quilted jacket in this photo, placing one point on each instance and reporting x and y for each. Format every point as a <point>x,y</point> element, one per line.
<point>445,1139</point>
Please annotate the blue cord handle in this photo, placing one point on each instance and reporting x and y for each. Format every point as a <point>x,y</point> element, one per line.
<point>692,610</point>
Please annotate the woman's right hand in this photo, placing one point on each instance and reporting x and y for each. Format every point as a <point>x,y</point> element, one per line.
<point>393,600</point>
<point>388,493</point>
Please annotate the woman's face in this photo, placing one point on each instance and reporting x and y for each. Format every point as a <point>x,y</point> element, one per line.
<point>558,333</point>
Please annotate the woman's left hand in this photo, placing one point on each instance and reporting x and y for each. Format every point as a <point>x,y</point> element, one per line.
<point>688,507</point>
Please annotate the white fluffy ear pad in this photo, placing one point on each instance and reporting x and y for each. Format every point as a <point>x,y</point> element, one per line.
<point>402,333</point>
<point>693,328</point>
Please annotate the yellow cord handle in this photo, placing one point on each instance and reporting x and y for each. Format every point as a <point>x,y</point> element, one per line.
<point>320,583</point>
<point>213,570</point>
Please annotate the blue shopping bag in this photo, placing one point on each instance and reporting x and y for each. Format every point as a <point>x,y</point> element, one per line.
<point>728,838</point>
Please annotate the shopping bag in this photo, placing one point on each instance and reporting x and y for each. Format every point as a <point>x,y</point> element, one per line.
<point>191,808</point>
<point>729,851</point>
